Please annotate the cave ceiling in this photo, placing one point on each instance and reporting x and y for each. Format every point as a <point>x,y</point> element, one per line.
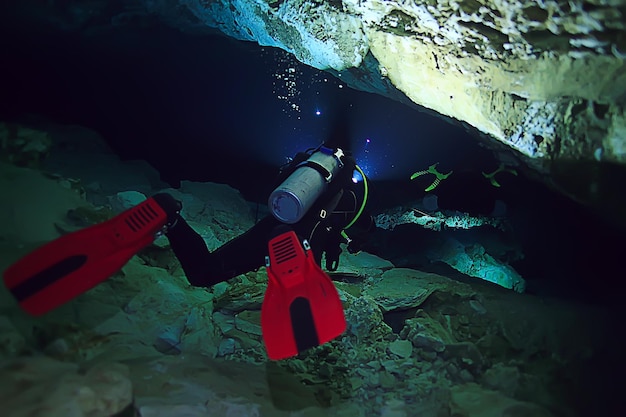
<point>543,79</point>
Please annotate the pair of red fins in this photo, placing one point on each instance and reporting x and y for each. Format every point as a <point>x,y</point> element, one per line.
<point>301,308</point>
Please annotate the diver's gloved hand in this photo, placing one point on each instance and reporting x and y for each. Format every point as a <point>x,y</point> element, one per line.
<point>360,233</point>
<point>170,206</point>
<point>355,246</point>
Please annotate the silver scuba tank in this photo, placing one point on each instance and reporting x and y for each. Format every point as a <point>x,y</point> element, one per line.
<point>290,201</point>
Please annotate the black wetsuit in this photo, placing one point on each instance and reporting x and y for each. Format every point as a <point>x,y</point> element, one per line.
<point>341,201</point>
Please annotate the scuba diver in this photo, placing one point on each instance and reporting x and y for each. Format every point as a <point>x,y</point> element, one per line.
<point>311,210</point>
<point>317,198</point>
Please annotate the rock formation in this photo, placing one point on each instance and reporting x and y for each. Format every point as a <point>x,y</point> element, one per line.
<point>544,78</point>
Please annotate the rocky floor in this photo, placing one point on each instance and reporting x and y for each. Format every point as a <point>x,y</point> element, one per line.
<point>146,343</point>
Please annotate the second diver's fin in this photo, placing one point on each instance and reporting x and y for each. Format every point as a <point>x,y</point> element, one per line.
<point>439,176</point>
<point>301,308</point>
<point>501,168</point>
<point>63,269</point>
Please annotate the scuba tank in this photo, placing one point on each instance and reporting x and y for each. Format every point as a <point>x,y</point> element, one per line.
<point>290,201</point>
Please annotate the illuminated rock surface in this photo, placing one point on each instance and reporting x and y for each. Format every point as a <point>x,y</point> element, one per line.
<point>546,79</point>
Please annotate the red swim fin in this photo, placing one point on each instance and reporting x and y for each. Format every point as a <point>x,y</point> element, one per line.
<point>301,308</point>
<point>74,263</point>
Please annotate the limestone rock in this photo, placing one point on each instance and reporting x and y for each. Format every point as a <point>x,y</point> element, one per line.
<point>249,321</point>
<point>105,174</point>
<point>242,295</point>
<point>125,200</point>
<point>217,211</point>
<point>362,317</point>
<point>23,193</point>
<point>437,221</point>
<point>505,379</point>
<point>362,263</point>
<point>474,261</point>
<point>227,347</point>
<point>41,386</point>
<point>402,348</point>
<point>23,146</point>
<point>403,288</point>
<point>168,341</point>
<point>466,355</point>
<point>473,401</point>
<point>11,340</point>
<point>428,334</point>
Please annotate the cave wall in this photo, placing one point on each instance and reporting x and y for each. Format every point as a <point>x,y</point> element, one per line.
<point>545,78</point>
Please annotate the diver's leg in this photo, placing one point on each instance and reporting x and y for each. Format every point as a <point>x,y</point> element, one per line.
<point>240,255</point>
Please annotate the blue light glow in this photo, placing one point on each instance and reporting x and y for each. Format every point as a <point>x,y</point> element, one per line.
<point>388,139</point>
<point>356,177</point>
